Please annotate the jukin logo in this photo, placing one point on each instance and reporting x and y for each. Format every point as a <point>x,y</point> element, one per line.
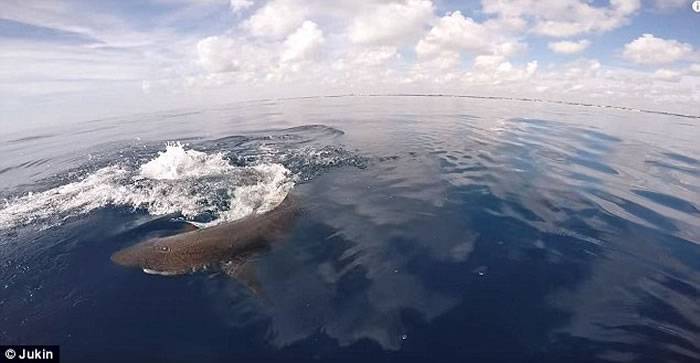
<point>29,354</point>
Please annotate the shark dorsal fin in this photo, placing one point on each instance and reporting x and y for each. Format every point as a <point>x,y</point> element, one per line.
<point>189,227</point>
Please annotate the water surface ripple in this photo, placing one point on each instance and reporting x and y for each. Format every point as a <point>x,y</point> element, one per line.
<point>437,228</point>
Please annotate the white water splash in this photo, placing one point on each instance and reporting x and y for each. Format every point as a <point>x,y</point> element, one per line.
<point>177,163</point>
<point>182,181</point>
<point>262,196</point>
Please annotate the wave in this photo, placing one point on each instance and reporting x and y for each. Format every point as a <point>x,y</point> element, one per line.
<point>203,187</point>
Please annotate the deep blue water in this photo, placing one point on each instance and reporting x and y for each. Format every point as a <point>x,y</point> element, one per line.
<point>433,229</point>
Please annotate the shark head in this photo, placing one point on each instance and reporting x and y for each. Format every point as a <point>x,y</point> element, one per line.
<point>153,256</point>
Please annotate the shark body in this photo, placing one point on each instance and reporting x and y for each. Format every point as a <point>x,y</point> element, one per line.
<point>229,246</point>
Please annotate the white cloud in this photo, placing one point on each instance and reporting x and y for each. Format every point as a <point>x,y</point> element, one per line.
<point>496,69</point>
<point>276,19</point>
<point>319,46</point>
<point>677,74</point>
<point>240,5</point>
<point>447,59</point>
<point>146,87</point>
<point>366,57</point>
<point>564,18</point>
<point>303,43</point>
<point>216,54</point>
<point>589,81</point>
<point>224,54</point>
<point>376,56</point>
<point>694,69</point>
<point>667,75</point>
<point>454,33</point>
<point>649,49</point>
<point>569,47</point>
<point>228,59</point>
<point>489,62</point>
<point>391,23</point>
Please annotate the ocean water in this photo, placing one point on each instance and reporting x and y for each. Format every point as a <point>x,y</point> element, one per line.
<point>432,229</point>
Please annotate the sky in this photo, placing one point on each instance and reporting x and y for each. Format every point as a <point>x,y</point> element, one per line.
<point>68,61</point>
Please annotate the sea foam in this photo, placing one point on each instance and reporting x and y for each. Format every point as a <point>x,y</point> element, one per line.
<point>178,180</point>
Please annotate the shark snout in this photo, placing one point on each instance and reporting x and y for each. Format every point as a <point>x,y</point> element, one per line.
<point>148,255</point>
<point>125,258</point>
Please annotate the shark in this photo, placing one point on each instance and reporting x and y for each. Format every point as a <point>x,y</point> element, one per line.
<point>230,246</point>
